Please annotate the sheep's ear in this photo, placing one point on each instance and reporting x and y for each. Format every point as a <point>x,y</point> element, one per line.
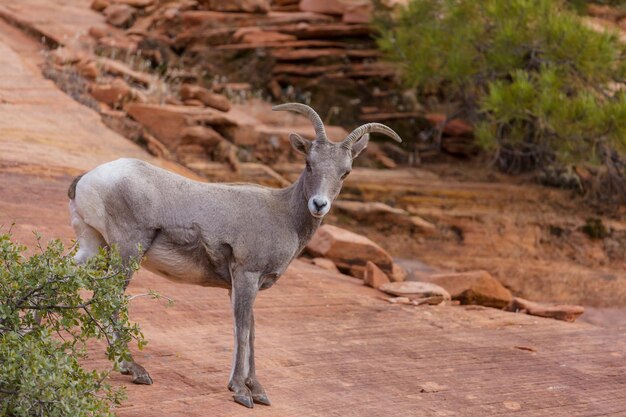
<point>360,145</point>
<point>300,144</point>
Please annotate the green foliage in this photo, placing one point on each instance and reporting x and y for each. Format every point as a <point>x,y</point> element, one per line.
<point>536,82</point>
<point>49,308</point>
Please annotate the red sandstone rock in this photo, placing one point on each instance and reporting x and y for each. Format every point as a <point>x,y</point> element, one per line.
<point>136,3</point>
<point>250,6</point>
<point>374,277</point>
<point>346,248</point>
<point>323,6</point>
<point>217,101</point>
<point>381,214</point>
<point>287,54</point>
<point>98,32</point>
<point>257,35</point>
<point>559,312</point>
<point>193,103</point>
<point>167,122</point>
<point>415,290</point>
<point>88,69</point>
<point>201,135</point>
<point>120,15</point>
<point>65,56</point>
<point>473,287</point>
<point>100,5</point>
<point>112,94</point>
<point>360,12</point>
<point>118,68</point>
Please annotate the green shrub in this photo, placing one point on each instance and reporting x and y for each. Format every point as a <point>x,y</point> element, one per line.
<point>49,309</point>
<point>539,86</point>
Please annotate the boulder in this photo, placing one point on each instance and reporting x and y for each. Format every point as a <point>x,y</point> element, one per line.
<point>195,92</point>
<point>120,15</point>
<point>415,290</point>
<point>167,122</point>
<point>563,312</point>
<point>88,69</point>
<point>325,264</point>
<point>112,94</point>
<point>249,6</point>
<point>374,277</point>
<point>473,287</point>
<point>348,249</point>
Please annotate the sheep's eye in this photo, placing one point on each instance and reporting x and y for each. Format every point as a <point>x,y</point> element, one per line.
<point>343,177</point>
<point>308,166</point>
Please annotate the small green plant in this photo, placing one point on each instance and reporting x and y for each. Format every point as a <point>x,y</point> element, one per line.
<point>539,86</point>
<point>49,309</point>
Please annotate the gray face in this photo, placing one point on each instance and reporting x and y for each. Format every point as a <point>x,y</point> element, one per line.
<point>327,165</point>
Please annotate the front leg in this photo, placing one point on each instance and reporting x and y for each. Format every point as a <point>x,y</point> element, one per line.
<point>258,393</point>
<point>245,287</point>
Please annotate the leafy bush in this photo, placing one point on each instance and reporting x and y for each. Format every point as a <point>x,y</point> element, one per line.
<point>537,83</point>
<point>49,309</point>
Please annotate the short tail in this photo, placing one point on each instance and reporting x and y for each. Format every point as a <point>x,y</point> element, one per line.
<point>71,192</point>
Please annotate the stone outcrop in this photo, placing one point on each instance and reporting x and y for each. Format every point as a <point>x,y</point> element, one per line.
<point>563,312</point>
<point>347,249</point>
<point>473,287</point>
<point>373,276</point>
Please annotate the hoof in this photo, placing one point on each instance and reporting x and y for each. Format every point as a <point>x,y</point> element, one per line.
<point>142,379</point>
<point>244,400</point>
<point>261,399</point>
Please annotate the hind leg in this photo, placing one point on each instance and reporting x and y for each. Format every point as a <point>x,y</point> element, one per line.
<point>89,239</point>
<point>131,245</point>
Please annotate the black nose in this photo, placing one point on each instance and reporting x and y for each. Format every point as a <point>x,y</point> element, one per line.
<point>319,205</point>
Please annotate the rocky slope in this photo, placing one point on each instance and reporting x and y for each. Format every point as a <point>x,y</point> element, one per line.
<point>542,243</point>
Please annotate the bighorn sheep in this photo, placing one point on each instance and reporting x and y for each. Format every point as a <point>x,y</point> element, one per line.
<point>238,237</point>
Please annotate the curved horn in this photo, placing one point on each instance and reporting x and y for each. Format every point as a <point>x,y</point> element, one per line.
<point>368,128</point>
<point>318,125</point>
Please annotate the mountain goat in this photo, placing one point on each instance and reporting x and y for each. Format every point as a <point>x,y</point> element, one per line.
<point>238,237</point>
